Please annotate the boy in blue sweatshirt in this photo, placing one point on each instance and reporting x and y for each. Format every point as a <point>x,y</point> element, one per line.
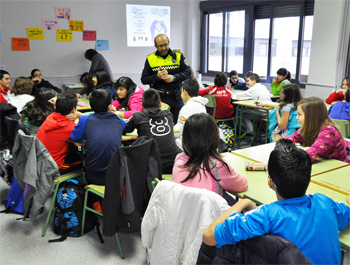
<point>102,132</point>
<point>311,222</point>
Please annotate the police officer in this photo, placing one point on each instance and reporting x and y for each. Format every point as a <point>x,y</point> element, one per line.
<point>164,71</point>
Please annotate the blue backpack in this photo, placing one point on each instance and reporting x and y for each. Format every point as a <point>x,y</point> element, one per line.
<point>15,199</point>
<point>69,211</point>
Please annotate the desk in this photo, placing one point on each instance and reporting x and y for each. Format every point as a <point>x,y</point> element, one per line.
<point>249,107</point>
<point>337,180</point>
<point>259,191</point>
<point>261,153</point>
<point>73,86</point>
<point>83,109</point>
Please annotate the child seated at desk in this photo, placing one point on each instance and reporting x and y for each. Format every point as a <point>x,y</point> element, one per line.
<point>21,91</point>
<point>102,132</point>
<point>311,222</point>
<point>237,82</point>
<point>200,165</point>
<point>318,134</point>
<point>158,124</point>
<point>339,95</point>
<point>193,105</point>
<point>40,82</point>
<point>255,91</point>
<point>283,78</point>
<point>101,81</point>
<point>129,97</point>
<point>341,110</point>
<point>282,119</point>
<point>88,84</point>
<point>224,108</point>
<point>55,132</point>
<point>34,113</point>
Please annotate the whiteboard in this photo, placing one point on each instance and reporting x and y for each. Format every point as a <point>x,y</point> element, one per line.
<point>145,22</point>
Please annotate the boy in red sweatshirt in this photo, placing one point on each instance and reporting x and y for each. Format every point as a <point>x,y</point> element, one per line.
<point>55,132</point>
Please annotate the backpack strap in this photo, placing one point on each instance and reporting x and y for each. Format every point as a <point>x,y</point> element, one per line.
<point>216,174</point>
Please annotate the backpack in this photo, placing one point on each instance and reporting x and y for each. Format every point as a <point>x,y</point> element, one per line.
<point>15,199</point>
<point>69,212</point>
<point>229,136</point>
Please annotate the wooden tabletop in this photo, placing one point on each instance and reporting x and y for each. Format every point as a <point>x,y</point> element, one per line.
<point>337,180</point>
<point>88,106</point>
<point>251,104</point>
<point>261,153</point>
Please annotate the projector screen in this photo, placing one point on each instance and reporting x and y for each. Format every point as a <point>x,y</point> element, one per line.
<point>144,22</point>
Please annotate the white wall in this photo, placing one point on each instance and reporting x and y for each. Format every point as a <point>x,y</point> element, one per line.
<point>329,36</point>
<point>63,62</point>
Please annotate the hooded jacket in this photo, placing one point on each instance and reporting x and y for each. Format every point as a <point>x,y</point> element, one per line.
<point>54,133</point>
<point>34,170</point>
<point>193,106</point>
<point>157,124</point>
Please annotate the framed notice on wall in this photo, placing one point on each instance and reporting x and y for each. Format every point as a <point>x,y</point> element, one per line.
<point>144,22</point>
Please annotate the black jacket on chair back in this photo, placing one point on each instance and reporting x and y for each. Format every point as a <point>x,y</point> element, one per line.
<point>266,249</point>
<point>128,185</point>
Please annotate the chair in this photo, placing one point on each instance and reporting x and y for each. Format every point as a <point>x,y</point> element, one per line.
<point>57,182</point>
<point>212,104</point>
<point>127,187</point>
<point>175,219</point>
<point>99,191</point>
<point>266,249</point>
<point>343,127</point>
<point>164,106</point>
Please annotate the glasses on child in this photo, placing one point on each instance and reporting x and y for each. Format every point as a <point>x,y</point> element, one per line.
<point>37,75</point>
<point>268,175</point>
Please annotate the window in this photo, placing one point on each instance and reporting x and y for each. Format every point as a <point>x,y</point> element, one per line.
<point>215,42</point>
<point>258,36</point>
<point>235,22</point>
<point>285,30</point>
<point>306,46</point>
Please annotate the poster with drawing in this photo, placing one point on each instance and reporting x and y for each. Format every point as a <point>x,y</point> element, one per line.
<point>144,22</point>
<point>49,24</point>
<point>102,45</point>
<point>76,25</point>
<point>62,13</point>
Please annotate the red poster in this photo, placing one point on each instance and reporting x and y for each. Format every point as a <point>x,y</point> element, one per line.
<point>89,35</point>
<point>20,44</point>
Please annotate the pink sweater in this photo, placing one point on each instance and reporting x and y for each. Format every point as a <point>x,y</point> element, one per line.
<point>134,103</point>
<point>232,182</point>
<point>328,144</point>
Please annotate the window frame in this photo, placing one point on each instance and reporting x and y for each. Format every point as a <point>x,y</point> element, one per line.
<point>211,7</point>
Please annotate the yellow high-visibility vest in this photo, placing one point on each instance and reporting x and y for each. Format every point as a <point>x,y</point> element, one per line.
<point>168,64</point>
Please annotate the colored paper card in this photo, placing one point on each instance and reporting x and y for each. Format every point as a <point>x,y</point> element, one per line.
<point>35,33</point>
<point>49,24</point>
<point>76,25</point>
<point>102,45</point>
<point>89,35</point>
<point>63,13</point>
<point>20,44</point>
<point>64,35</point>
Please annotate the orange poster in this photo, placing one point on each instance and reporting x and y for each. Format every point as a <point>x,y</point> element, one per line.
<point>20,44</point>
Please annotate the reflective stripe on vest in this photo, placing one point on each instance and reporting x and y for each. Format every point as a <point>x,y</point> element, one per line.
<point>156,61</point>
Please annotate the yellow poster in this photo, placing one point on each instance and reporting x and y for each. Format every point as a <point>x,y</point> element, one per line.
<point>35,33</point>
<point>64,35</point>
<point>76,25</point>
